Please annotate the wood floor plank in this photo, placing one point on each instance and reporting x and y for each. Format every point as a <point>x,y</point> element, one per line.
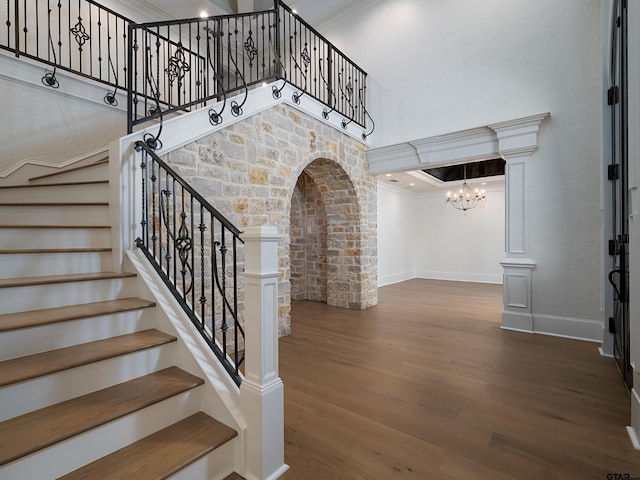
<point>26,434</point>
<point>34,318</point>
<point>45,363</point>
<point>426,385</point>
<point>160,455</point>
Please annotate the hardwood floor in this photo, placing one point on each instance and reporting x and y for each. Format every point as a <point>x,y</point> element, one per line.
<point>427,386</point>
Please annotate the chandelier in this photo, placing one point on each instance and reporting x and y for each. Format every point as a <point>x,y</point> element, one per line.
<point>465,199</point>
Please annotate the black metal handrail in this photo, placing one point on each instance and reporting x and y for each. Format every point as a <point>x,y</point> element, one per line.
<point>196,252</point>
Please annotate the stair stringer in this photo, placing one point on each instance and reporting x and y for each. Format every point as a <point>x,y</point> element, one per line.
<point>220,396</point>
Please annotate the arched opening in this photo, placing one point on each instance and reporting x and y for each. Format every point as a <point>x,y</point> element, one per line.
<point>326,244</point>
<point>308,248</point>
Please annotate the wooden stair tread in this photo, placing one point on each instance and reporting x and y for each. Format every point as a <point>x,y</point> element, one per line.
<point>13,227</point>
<point>59,184</point>
<point>40,364</point>
<point>50,279</point>
<point>161,454</point>
<point>33,431</point>
<point>72,169</point>
<point>55,250</point>
<point>34,318</point>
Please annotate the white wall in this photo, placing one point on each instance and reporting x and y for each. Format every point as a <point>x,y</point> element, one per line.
<point>437,67</point>
<point>396,234</point>
<point>419,236</point>
<point>45,126</point>
<point>463,246</point>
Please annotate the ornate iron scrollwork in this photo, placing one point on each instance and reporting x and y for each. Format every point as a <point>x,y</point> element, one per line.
<point>325,112</point>
<point>80,33</point>
<point>178,66</point>
<point>49,79</point>
<point>183,242</point>
<point>250,48</point>
<point>365,135</point>
<point>215,117</point>
<point>275,90</point>
<point>347,93</point>
<point>306,59</point>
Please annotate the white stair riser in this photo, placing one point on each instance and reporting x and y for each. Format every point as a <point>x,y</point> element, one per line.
<point>97,172</point>
<point>18,299</point>
<point>75,452</point>
<point>38,264</point>
<point>217,465</point>
<point>55,238</point>
<point>65,193</point>
<point>55,215</point>
<point>27,341</point>
<point>58,387</point>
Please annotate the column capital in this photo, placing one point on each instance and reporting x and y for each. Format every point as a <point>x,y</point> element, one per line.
<point>518,137</point>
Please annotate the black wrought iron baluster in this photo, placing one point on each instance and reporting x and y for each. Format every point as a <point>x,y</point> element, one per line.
<point>91,44</point>
<point>154,219</point>
<point>212,275</point>
<point>25,29</point>
<point>281,70</point>
<point>192,255</point>
<point>215,117</point>
<point>153,141</point>
<point>203,297</point>
<point>222,287</point>
<point>347,93</point>
<point>81,36</point>
<point>236,324</point>
<point>365,134</point>
<point>236,108</point>
<point>49,79</point>
<point>37,30</point>
<point>144,222</point>
<point>174,218</point>
<point>325,112</point>
<point>168,220</point>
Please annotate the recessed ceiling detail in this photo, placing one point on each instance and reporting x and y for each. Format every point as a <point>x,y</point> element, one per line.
<point>454,173</point>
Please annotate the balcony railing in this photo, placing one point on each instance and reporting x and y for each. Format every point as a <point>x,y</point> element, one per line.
<point>79,36</point>
<point>178,66</point>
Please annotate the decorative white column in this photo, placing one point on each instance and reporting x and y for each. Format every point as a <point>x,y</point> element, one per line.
<point>517,140</point>
<point>262,391</point>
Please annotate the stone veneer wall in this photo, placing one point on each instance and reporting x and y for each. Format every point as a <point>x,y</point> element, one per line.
<point>308,247</point>
<point>249,171</point>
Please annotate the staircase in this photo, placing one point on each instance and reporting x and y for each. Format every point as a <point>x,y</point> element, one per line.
<point>89,386</point>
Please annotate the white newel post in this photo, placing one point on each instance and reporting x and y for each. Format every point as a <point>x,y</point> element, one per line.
<point>517,140</point>
<point>262,391</point>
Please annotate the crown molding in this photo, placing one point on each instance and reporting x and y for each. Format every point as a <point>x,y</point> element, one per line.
<point>516,137</point>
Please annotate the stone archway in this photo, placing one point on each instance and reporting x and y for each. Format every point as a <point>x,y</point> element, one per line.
<point>326,243</point>
<point>308,242</point>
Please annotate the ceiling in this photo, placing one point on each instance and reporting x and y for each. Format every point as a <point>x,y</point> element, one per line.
<point>313,12</point>
<point>419,182</point>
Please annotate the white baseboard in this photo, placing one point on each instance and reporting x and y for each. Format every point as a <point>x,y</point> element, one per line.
<point>632,430</point>
<point>495,278</point>
<point>519,322</point>
<point>569,327</point>
<point>394,278</point>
